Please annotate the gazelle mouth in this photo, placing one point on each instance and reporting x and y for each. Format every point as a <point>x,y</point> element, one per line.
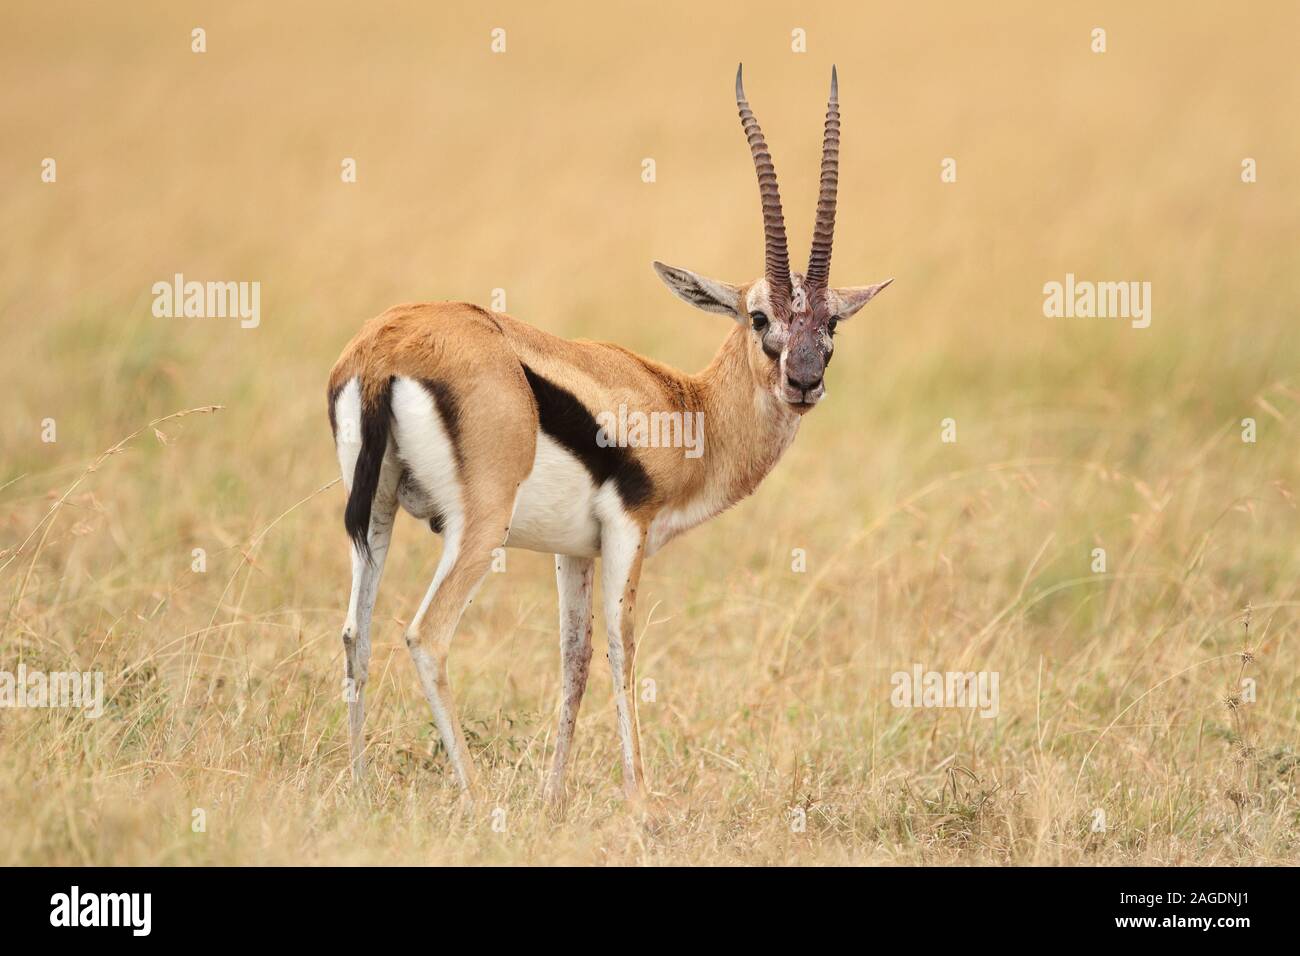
<point>802,401</point>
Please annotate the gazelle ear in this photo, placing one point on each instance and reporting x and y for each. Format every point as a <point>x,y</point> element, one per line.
<point>700,291</point>
<point>846,301</point>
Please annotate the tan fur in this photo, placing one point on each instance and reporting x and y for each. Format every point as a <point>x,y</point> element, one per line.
<point>478,354</point>
<point>459,345</point>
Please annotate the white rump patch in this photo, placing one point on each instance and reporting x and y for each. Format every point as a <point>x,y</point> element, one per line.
<point>347,429</point>
<point>426,450</point>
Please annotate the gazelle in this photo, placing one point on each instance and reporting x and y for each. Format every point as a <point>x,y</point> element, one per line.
<point>486,428</point>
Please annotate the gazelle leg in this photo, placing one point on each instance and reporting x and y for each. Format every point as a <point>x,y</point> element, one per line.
<point>574,579</point>
<point>465,561</point>
<point>366,574</point>
<point>622,548</point>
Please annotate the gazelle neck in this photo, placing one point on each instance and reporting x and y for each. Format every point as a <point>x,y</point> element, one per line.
<point>747,427</point>
<point>746,431</point>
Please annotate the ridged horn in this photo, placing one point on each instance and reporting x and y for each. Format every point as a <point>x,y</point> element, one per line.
<point>819,260</point>
<point>777,267</point>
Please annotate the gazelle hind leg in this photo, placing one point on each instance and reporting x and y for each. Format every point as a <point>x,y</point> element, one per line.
<point>574,579</point>
<point>366,575</point>
<point>366,571</point>
<point>622,550</point>
<point>466,557</point>
<point>468,440</point>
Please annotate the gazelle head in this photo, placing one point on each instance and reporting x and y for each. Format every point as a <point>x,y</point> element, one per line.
<point>792,316</point>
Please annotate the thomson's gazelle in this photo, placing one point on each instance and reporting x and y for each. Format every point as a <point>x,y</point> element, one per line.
<point>486,428</point>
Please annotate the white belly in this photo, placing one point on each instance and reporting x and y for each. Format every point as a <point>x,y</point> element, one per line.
<point>555,510</point>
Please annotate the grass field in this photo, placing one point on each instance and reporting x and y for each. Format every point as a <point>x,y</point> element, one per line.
<point>1125,733</point>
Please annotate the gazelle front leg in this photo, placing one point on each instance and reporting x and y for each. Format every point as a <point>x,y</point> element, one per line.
<point>622,548</point>
<point>574,578</point>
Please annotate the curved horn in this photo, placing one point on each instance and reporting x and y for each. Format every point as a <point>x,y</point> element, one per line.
<point>819,260</point>
<point>778,256</point>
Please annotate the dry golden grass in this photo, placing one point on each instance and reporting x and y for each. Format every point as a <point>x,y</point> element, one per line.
<point>522,171</point>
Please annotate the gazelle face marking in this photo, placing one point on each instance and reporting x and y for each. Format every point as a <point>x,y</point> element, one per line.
<point>794,343</point>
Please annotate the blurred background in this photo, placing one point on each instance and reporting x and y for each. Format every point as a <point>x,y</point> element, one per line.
<point>522,171</point>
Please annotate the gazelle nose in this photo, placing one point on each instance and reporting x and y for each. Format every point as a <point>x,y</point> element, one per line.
<point>803,385</point>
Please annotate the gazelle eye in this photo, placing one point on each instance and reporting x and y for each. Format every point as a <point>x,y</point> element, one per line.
<point>831,327</point>
<point>759,320</point>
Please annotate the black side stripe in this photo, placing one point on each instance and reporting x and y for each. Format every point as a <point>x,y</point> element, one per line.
<point>569,422</point>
